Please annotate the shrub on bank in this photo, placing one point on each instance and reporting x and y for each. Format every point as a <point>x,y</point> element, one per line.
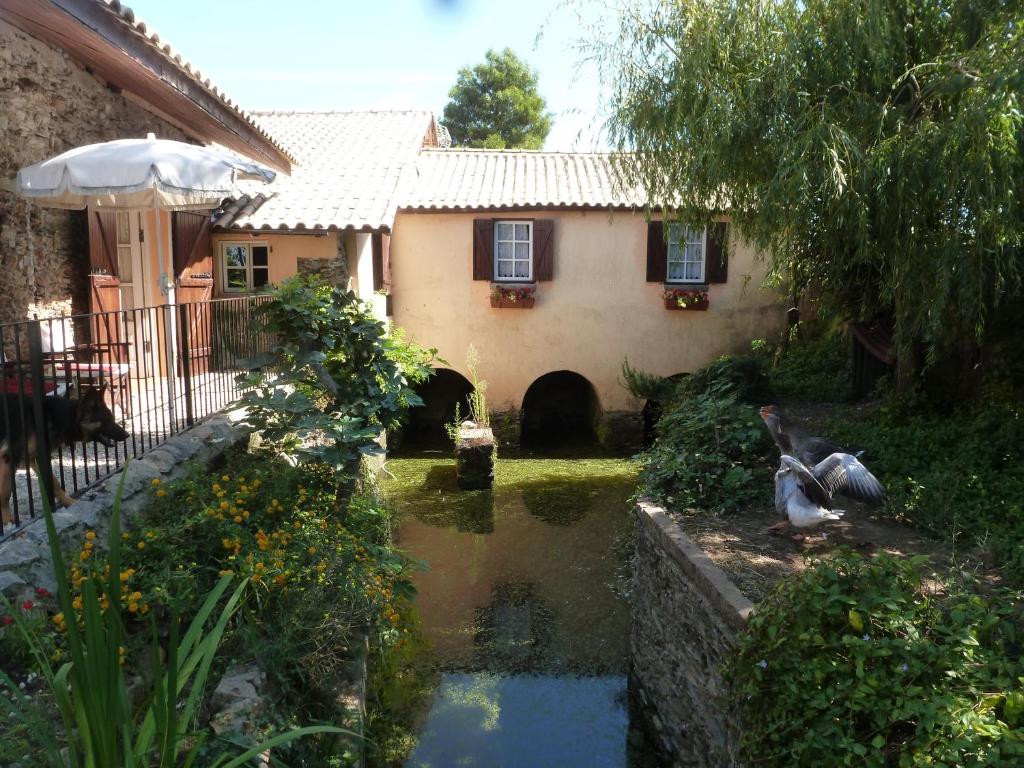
<point>858,663</point>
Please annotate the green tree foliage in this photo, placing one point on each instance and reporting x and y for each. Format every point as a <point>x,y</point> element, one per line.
<point>495,105</point>
<point>870,147</point>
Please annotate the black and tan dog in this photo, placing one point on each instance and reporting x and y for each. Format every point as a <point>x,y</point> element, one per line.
<point>68,419</point>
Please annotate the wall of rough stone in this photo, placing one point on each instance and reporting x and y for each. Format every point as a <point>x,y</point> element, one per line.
<point>49,104</point>
<point>25,561</point>
<point>686,614</point>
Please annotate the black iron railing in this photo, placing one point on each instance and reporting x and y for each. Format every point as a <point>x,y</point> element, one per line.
<point>153,372</point>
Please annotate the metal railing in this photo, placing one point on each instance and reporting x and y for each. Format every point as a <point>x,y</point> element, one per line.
<point>153,371</point>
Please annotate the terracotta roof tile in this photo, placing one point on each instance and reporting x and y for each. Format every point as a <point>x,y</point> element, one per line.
<point>452,179</point>
<point>348,168</point>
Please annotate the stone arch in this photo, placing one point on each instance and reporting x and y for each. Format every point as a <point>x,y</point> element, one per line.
<point>440,394</point>
<point>560,407</point>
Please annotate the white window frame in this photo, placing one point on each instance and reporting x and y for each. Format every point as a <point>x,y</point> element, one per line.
<point>674,242</point>
<point>225,286</point>
<point>514,241</point>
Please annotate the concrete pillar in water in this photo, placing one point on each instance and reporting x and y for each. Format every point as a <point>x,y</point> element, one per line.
<point>474,458</point>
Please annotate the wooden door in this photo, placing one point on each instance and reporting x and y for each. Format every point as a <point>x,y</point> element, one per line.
<point>193,270</point>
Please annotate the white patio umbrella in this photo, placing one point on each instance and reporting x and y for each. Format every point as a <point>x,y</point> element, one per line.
<point>139,174</point>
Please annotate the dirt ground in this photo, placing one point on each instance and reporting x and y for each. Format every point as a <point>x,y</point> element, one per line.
<point>754,559</point>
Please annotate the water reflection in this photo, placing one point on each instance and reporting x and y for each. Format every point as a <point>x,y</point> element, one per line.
<point>521,609</point>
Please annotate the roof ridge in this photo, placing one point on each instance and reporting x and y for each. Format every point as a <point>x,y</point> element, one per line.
<point>352,111</point>
<point>497,152</point>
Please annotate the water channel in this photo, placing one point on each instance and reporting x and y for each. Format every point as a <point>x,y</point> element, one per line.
<point>520,640</point>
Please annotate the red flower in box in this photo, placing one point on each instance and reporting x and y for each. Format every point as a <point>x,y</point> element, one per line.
<point>678,298</point>
<point>509,297</point>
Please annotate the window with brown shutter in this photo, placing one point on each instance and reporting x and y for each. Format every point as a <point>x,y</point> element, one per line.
<point>543,249</point>
<point>657,252</point>
<point>717,265</point>
<point>483,249</point>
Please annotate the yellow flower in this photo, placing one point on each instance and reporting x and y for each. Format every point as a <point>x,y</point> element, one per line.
<point>125,575</point>
<point>238,518</point>
<point>141,545</point>
<point>224,505</point>
<point>90,535</point>
<point>135,597</point>
<point>144,608</point>
<point>155,481</point>
<point>161,492</point>
<point>225,478</point>
<point>84,555</point>
<point>133,607</point>
<point>312,550</point>
<point>58,618</point>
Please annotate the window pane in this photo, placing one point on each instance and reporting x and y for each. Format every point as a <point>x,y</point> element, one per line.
<point>522,231</point>
<point>692,271</point>
<point>260,277</point>
<point>124,235</point>
<point>504,268</point>
<point>236,279</point>
<point>505,250</point>
<point>503,231</point>
<point>124,263</point>
<point>259,255</point>
<point>695,252</point>
<point>523,251</point>
<point>235,255</point>
<point>675,271</point>
<point>522,269</point>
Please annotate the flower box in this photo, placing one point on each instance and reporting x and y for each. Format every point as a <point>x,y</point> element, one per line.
<point>688,301</point>
<point>503,297</point>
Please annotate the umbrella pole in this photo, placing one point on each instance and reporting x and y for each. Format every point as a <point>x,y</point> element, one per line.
<point>170,325</point>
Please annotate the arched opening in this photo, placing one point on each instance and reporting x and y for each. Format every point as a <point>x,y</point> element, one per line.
<point>652,412</point>
<point>440,394</point>
<point>559,408</point>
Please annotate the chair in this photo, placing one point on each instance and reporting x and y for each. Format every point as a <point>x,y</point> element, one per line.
<point>88,364</point>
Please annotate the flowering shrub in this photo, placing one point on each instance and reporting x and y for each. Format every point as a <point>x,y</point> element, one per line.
<point>686,299</point>
<point>517,294</point>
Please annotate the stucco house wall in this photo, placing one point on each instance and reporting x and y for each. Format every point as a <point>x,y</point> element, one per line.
<point>597,311</point>
<point>51,104</point>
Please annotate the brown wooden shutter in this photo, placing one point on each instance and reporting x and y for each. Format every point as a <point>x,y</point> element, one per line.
<point>716,268</point>
<point>657,253</point>
<point>381,262</point>
<point>543,249</point>
<point>483,249</point>
<point>102,242</point>
<point>193,268</point>
<point>190,241</point>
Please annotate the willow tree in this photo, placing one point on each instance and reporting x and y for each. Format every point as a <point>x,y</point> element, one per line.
<point>871,147</point>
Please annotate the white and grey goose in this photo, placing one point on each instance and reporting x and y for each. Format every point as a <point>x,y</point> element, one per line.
<point>805,495</point>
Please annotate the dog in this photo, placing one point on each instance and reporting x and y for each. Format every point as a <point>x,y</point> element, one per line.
<point>69,419</point>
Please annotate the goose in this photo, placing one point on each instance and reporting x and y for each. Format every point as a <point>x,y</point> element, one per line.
<point>801,497</point>
<point>795,442</point>
<point>837,469</point>
<point>805,494</point>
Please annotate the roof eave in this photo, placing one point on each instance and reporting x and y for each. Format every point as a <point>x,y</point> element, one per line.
<point>94,34</point>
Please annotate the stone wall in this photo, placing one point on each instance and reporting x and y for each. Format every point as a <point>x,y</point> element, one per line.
<point>686,614</point>
<point>25,561</point>
<point>332,271</point>
<point>49,104</point>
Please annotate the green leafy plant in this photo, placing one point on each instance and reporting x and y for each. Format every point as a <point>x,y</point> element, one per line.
<point>99,725</point>
<point>816,368</point>
<point>478,397</point>
<point>710,453</point>
<point>336,377</point>
<point>856,663</point>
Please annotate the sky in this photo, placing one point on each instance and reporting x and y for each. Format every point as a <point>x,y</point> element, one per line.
<point>354,54</point>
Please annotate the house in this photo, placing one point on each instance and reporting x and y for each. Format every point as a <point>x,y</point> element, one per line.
<point>379,202</point>
<point>563,225</point>
<point>75,72</point>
